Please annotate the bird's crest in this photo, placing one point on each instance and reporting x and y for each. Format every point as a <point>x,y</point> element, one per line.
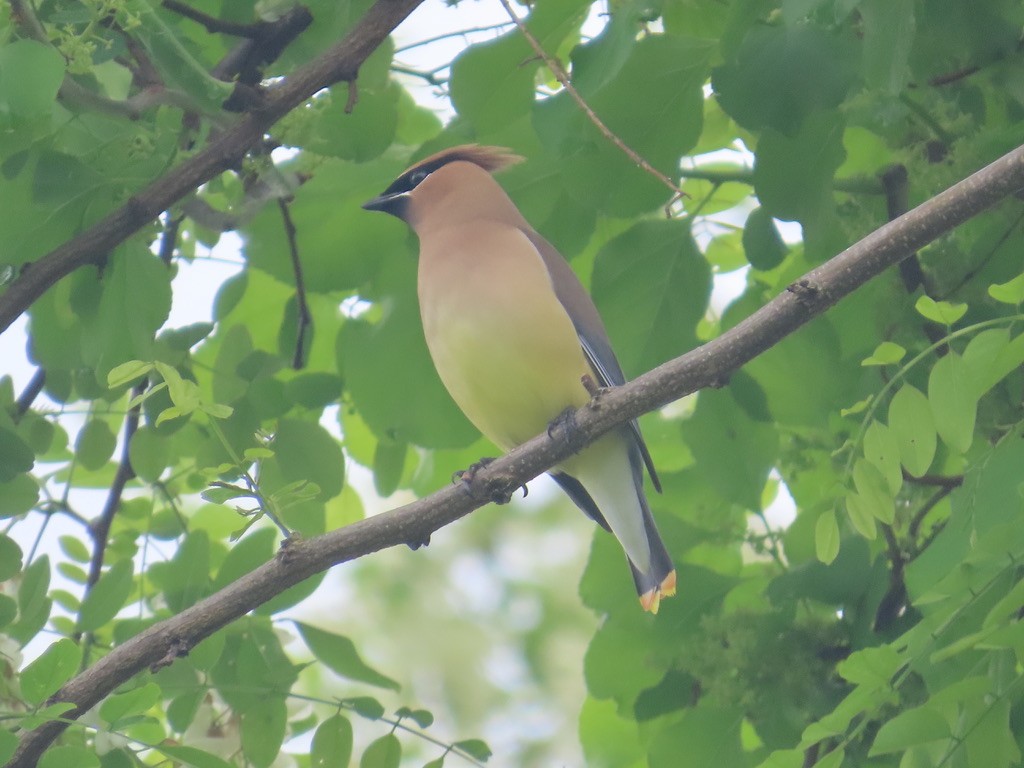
<point>491,159</point>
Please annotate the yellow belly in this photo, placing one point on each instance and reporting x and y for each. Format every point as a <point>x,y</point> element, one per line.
<point>500,339</point>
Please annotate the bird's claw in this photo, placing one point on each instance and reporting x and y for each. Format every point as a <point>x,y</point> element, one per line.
<point>495,489</point>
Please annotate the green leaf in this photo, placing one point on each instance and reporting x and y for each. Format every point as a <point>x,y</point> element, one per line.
<point>421,717</point>
<point>762,243</point>
<point>69,756</point>
<point>148,453</point>
<point>1011,292</point>
<point>107,597</point>
<point>733,452</point>
<point>911,421</point>
<point>362,133</point>
<point>385,752</point>
<point>990,357</point>
<point>826,537</point>
<point>30,75</point>
<point>15,455</point>
<point>871,667</point>
<point>654,103</point>
<point>95,444</point>
<point>33,604</point>
<point>127,373</point>
<point>475,748</point>
<point>492,83</point>
<point>784,758</point>
<point>651,285</point>
<point>908,729</point>
<point>889,30</point>
<point>341,657</point>
<point>871,486</point>
<point>332,743</point>
<point>8,610</point>
<point>882,448</point>
<point>17,495</point>
<point>191,756</point>
<point>703,736</point>
<point>134,702</point>
<point>8,743</point>
<point>314,390</point>
<point>942,312</point>
<point>306,451</point>
<point>782,74</point>
<point>885,353</point>
<point>73,547</point>
<point>792,183</point>
<point>954,406</point>
<point>10,557</point>
<point>263,730</point>
<point>388,464</point>
<point>136,285</point>
<point>185,578</point>
<point>46,714</point>
<point>44,676</point>
<point>861,515</point>
<point>184,394</point>
<point>365,706</point>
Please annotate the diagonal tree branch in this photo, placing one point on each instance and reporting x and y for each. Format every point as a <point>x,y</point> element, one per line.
<point>340,62</point>
<point>707,365</point>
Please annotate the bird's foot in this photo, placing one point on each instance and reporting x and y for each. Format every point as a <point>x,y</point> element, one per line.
<point>564,427</point>
<point>415,544</point>
<point>495,489</point>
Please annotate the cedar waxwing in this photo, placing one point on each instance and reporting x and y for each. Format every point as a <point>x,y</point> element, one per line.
<point>516,338</point>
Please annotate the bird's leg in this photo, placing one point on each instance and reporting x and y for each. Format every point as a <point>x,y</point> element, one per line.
<point>590,385</point>
<point>494,490</point>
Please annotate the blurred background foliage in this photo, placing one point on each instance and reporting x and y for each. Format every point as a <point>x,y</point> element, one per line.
<point>845,512</point>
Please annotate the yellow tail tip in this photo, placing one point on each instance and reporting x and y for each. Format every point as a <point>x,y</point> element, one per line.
<point>668,585</point>
<point>650,601</point>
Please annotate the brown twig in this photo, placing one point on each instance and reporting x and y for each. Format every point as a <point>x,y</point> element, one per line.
<point>353,97</point>
<point>414,522</point>
<point>563,77</point>
<point>942,481</point>
<point>29,394</point>
<point>340,62</point>
<point>304,318</point>
<point>952,77</point>
<point>213,25</point>
<point>169,238</point>
<point>101,526</point>
<point>928,506</point>
<point>895,182</point>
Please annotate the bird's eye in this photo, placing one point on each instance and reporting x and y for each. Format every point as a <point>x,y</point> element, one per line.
<point>416,177</point>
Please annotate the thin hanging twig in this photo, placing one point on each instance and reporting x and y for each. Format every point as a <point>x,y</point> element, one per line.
<point>563,77</point>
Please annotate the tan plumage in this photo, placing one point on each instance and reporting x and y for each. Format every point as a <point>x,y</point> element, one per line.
<point>513,334</point>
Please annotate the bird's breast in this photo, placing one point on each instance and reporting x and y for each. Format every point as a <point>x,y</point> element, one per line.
<point>501,341</point>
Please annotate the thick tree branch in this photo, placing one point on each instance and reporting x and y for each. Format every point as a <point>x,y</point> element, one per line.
<point>340,62</point>
<point>713,362</point>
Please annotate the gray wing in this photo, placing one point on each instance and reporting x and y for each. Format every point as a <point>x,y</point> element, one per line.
<point>592,334</point>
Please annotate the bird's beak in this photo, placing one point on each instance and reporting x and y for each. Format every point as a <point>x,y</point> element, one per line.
<point>395,204</point>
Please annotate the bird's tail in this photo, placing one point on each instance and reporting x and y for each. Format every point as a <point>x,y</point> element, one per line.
<point>659,580</point>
